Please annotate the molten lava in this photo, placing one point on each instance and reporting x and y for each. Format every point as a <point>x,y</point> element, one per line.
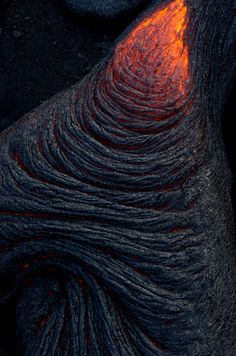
<point>154,56</point>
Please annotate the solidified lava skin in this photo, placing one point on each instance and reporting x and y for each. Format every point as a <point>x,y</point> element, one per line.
<point>116,234</point>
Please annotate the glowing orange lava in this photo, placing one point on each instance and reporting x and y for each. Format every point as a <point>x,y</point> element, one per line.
<point>155,52</point>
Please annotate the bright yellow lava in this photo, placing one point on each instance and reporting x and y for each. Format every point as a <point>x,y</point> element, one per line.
<point>156,48</point>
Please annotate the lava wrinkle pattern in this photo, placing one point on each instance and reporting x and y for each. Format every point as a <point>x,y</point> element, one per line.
<point>115,212</point>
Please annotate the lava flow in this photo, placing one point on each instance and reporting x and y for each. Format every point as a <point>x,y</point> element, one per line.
<point>154,57</point>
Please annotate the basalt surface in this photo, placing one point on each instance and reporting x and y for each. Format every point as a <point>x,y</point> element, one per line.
<point>104,9</point>
<point>116,219</point>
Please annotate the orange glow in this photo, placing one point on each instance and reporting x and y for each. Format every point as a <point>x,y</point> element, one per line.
<point>155,54</point>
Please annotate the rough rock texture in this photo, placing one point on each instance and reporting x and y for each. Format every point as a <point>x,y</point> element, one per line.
<point>116,233</point>
<point>103,9</point>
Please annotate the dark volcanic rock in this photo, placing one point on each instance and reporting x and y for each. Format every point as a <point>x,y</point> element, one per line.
<point>103,9</point>
<point>116,224</point>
